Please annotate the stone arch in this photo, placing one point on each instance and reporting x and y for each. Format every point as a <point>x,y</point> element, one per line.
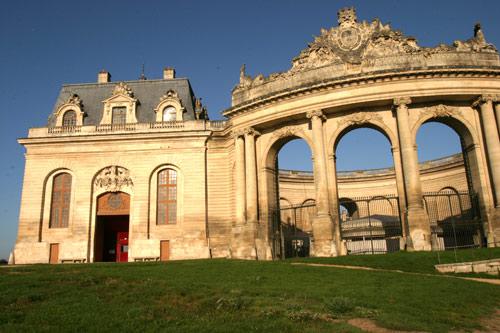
<point>267,161</point>
<point>351,207</point>
<point>111,178</point>
<point>450,116</point>
<point>360,120</point>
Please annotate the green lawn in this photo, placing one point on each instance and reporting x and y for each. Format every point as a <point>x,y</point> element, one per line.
<point>236,296</point>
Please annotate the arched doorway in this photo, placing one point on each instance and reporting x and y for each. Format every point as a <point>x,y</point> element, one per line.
<point>112,227</point>
<point>291,187</point>
<point>452,204</point>
<point>368,208</point>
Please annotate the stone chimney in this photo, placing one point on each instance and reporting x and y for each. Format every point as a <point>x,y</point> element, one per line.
<point>168,73</point>
<point>103,77</point>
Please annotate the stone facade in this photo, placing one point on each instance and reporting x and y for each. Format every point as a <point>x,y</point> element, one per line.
<point>358,74</point>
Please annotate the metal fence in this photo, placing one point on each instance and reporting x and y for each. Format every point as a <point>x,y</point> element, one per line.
<point>455,220</point>
<point>371,224</point>
<point>294,227</point>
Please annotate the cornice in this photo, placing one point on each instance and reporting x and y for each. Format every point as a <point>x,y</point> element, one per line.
<point>360,79</point>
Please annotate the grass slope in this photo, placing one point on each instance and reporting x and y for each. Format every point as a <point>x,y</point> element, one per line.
<point>233,296</point>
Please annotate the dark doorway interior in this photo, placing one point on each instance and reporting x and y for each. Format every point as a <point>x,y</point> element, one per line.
<point>111,238</point>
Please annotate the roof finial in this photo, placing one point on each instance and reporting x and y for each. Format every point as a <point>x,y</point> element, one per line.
<point>142,77</point>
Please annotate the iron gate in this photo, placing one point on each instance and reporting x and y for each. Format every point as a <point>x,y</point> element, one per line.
<point>371,224</point>
<point>455,220</point>
<point>293,230</point>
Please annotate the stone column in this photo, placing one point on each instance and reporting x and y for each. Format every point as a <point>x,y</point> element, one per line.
<point>251,175</point>
<point>240,178</point>
<point>322,223</point>
<point>490,130</point>
<point>418,222</point>
<point>334,203</point>
<point>398,170</point>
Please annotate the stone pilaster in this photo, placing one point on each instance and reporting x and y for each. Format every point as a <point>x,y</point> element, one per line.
<point>240,178</point>
<point>322,224</point>
<point>251,175</point>
<point>418,223</point>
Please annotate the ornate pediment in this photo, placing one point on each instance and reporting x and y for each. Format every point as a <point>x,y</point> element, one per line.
<point>359,43</point>
<point>113,179</point>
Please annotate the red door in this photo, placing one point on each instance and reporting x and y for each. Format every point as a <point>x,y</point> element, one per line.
<point>122,246</point>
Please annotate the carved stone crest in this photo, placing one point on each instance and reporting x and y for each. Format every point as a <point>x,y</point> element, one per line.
<point>287,132</point>
<point>170,94</point>
<point>122,89</point>
<point>360,118</point>
<point>441,110</point>
<point>75,100</point>
<point>113,179</point>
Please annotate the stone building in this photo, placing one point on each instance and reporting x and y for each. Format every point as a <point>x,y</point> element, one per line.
<point>135,170</point>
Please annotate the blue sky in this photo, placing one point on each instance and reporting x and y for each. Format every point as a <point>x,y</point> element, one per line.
<point>44,44</point>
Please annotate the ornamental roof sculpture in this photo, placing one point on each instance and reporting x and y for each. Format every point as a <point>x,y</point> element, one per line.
<point>358,43</point>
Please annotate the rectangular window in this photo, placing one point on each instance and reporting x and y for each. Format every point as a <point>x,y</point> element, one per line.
<point>166,204</point>
<point>119,115</point>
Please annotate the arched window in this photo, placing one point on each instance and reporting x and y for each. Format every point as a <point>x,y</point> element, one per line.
<point>61,196</point>
<point>166,212</point>
<point>169,114</point>
<point>69,118</point>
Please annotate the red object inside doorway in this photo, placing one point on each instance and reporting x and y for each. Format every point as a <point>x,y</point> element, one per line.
<point>122,246</point>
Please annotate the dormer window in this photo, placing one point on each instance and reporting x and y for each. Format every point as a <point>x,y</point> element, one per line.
<point>170,108</point>
<point>70,114</point>
<point>69,118</point>
<point>169,114</point>
<point>120,108</point>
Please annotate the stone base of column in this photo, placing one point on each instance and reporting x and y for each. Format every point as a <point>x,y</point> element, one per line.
<point>419,230</point>
<point>324,243</point>
<point>243,242</point>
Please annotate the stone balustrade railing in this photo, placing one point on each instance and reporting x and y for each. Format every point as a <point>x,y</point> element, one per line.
<point>168,126</point>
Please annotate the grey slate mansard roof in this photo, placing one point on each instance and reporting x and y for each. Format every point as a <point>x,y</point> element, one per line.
<point>147,93</point>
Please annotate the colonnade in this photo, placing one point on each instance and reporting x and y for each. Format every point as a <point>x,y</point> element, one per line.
<point>326,230</point>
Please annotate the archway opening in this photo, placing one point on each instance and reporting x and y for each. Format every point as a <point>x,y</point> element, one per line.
<point>448,177</point>
<point>296,189</point>
<point>368,203</point>
<point>112,227</point>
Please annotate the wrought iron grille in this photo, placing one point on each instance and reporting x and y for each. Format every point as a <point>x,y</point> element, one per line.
<point>455,220</point>
<point>371,224</point>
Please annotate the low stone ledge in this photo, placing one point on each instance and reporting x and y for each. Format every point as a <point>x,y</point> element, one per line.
<point>484,266</point>
<point>73,261</point>
<point>146,259</point>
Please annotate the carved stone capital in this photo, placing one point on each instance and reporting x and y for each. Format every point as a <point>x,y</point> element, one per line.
<point>250,131</point>
<point>315,113</point>
<point>484,99</point>
<point>402,101</point>
<point>238,133</point>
